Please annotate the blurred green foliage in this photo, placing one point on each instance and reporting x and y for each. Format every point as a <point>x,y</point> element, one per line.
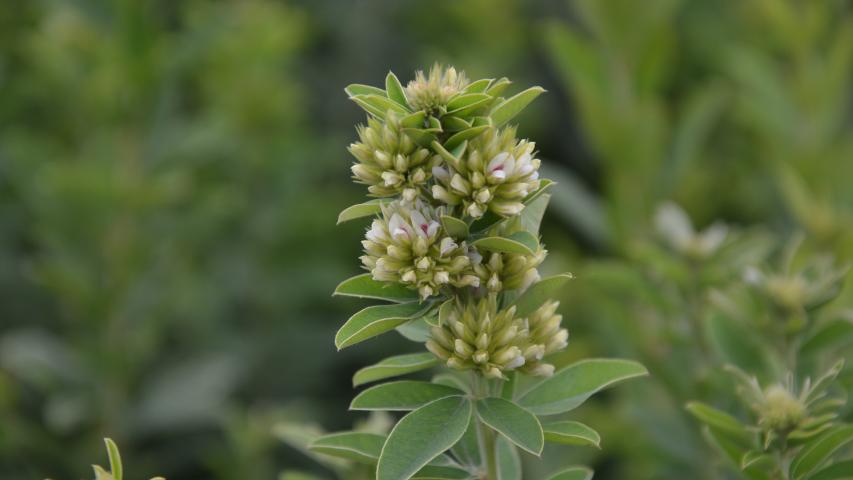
<point>170,173</point>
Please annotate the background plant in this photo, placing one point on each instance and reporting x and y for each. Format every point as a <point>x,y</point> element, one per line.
<point>221,235</point>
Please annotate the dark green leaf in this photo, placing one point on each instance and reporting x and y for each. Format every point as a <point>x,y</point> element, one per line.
<point>421,436</point>
<point>573,385</point>
<point>467,134</point>
<point>454,227</point>
<point>507,459</point>
<point>394,367</point>
<point>364,286</point>
<point>376,320</point>
<point>401,396</point>
<point>816,452</point>
<point>523,243</point>
<point>838,471</point>
<point>513,422</point>
<point>467,449</point>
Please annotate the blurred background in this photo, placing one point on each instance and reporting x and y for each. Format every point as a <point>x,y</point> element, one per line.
<point>171,172</point>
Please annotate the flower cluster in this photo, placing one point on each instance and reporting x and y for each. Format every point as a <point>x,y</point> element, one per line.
<point>496,173</point>
<point>479,336</point>
<point>408,245</point>
<point>434,149</point>
<point>389,162</point>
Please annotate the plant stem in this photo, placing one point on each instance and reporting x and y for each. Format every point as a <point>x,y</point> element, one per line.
<point>485,436</point>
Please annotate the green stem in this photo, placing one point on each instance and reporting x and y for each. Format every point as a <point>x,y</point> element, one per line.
<point>485,436</point>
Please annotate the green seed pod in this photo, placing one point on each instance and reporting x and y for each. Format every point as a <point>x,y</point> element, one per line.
<point>409,246</point>
<point>477,336</point>
<point>495,173</point>
<point>388,161</point>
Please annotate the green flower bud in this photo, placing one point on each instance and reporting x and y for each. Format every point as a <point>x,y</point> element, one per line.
<point>496,173</point>
<point>477,336</point>
<point>409,246</point>
<point>389,163</point>
<point>780,411</point>
<point>509,271</point>
<point>431,91</point>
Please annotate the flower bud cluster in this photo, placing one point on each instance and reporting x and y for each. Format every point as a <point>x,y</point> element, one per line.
<point>408,245</point>
<point>389,162</point>
<point>431,91</point>
<point>495,174</point>
<point>509,271</point>
<point>478,336</point>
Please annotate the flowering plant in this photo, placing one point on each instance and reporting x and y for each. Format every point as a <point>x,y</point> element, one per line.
<point>453,248</point>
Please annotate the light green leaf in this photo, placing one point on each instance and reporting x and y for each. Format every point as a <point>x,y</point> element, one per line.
<point>364,286</point>
<point>816,452</point>
<point>420,136</point>
<point>421,436</point>
<point>394,367</point>
<point>451,123</point>
<point>508,460</point>
<point>101,474</point>
<point>415,330</point>
<point>571,433</point>
<point>466,100</point>
<point>454,227</point>
<point>483,102</point>
<point>395,90</point>
<point>415,120</point>
<point>461,136</point>
<point>513,422</point>
<point>531,216</point>
<point>838,471</point>
<point>498,87</point>
<point>379,105</point>
<point>116,468</point>
<point>297,475</point>
<point>366,209</point>
<point>357,446</point>
<point>539,293</point>
<point>403,395</point>
<point>375,320</point>
<point>573,385</point>
<point>573,473</point>
<point>512,106</point>
<point>452,379</point>
<point>717,419</point>
<point>479,85</point>
<point>522,243</point>
<point>358,89</point>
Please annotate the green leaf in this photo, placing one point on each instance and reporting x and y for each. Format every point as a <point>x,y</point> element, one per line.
<point>379,105</point>
<point>376,320</point>
<point>833,334</point>
<point>539,293</point>
<point>718,419</point>
<point>365,209</point>
<point>395,90</point>
<point>755,458</point>
<point>358,89</point>
<point>394,367</point>
<point>483,102</point>
<point>466,100</point>
<point>101,474</point>
<point>513,422</point>
<point>478,86</point>
<point>511,107</point>
<point>573,385</point>
<point>415,120</point>
<point>454,227</point>
<point>571,433</point>
<point>840,470</point>
<point>435,472</point>
<point>357,446</point>
<point>522,243</point>
<point>490,218</point>
<point>531,216</point>
<point>819,450</point>
<point>452,379</point>
<point>573,473</point>
<point>403,395</point>
<point>420,136</point>
<point>364,286</point>
<point>116,468</point>
<point>498,87</point>
<point>467,134</point>
<point>467,449</point>
<point>421,436</point>
<point>451,123</point>
<point>507,459</point>
<point>415,330</point>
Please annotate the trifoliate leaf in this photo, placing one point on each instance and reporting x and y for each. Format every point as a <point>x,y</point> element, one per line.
<point>515,423</point>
